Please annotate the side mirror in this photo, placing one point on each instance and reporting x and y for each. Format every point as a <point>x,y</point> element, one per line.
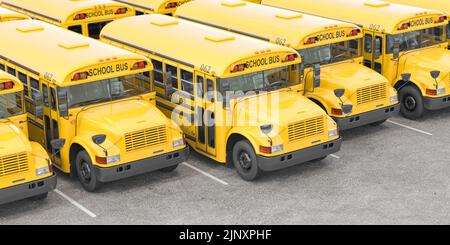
<point>406,77</point>
<point>396,48</point>
<point>339,92</point>
<point>57,144</point>
<point>168,83</point>
<point>435,74</point>
<point>99,139</point>
<point>316,75</point>
<point>63,105</point>
<point>347,109</point>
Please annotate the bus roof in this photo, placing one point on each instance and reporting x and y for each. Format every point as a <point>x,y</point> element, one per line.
<point>5,77</point>
<point>43,48</point>
<point>443,5</point>
<point>149,5</point>
<point>264,22</point>
<point>382,15</point>
<point>7,15</point>
<point>59,10</point>
<point>186,42</point>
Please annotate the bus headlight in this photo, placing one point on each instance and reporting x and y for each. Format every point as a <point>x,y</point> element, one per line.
<point>332,133</point>
<point>440,91</point>
<point>177,143</point>
<point>394,99</point>
<point>42,171</point>
<point>277,148</point>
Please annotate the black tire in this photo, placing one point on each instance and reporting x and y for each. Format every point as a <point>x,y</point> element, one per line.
<point>39,197</point>
<point>411,99</point>
<point>378,123</point>
<point>245,161</point>
<point>169,169</point>
<point>86,173</point>
<point>319,159</point>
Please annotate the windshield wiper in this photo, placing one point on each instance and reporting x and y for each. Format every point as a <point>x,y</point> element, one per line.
<point>84,103</point>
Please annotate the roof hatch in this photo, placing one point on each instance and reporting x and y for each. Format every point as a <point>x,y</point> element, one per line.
<point>233,3</point>
<point>377,3</point>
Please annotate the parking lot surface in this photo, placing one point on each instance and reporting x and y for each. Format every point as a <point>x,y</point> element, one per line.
<point>396,173</point>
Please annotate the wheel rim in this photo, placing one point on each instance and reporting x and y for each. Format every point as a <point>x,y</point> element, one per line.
<point>410,103</point>
<point>245,161</point>
<point>85,171</point>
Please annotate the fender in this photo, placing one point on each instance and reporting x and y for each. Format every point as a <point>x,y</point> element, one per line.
<point>246,135</point>
<point>328,99</point>
<point>420,86</point>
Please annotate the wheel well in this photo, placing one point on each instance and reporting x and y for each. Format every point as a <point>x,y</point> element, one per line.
<point>74,149</point>
<point>401,84</point>
<point>319,104</point>
<point>230,143</point>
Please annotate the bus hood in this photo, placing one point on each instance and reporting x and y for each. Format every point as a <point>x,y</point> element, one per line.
<point>118,118</point>
<point>422,62</point>
<point>12,140</point>
<point>277,108</point>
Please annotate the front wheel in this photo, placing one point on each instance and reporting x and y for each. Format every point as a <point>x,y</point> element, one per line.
<point>86,173</point>
<point>245,161</point>
<point>411,99</point>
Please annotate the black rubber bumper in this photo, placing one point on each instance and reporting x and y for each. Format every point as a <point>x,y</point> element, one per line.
<point>26,190</point>
<point>142,166</point>
<point>300,156</point>
<point>436,103</point>
<point>366,118</point>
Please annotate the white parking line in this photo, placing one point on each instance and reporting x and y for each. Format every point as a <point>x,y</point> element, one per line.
<point>205,173</point>
<point>335,156</point>
<point>76,204</point>
<point>410,128</point>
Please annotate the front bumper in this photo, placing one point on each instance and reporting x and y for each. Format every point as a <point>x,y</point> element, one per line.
<point>366,118</point>
<point>436,103</point>
<point>26,190</point>
<point>142,166</point>
<point>300,156</point>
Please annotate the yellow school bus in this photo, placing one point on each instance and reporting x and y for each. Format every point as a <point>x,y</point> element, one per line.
<point>405,44</point>
<point>154,6</point>
<point>25,167</point>
<point>8,15</point>
<point>331,52</point>
<point>443,5</point>
<point>237,99</point>
<point>86,17</point>
<point>99,119</point>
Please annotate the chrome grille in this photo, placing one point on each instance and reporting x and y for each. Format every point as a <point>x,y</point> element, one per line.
<point>145,138</point>
<point>371,93</point>
<point>13,164</point>
<point>305,128</point>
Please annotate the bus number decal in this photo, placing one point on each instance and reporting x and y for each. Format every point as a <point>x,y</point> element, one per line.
<point>48,76</point>
<point>374,27</point>
<point>205,68</point>
<point>280,41</point>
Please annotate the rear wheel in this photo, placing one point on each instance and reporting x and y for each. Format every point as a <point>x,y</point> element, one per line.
<point>39,197</point>
<point>86,173</point>
<point>412,106</point>
<point>245,161</point>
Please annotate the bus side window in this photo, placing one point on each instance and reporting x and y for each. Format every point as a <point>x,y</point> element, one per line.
<point>2,66</point>
<point>53,98</point>
<point>45,94</point>
<point>174,73</point>
<point>378,46</point>
<point>158,72</point>
<point>139,13</point>
<point>187,84</point>
<point>209,90</point>
<point>368,43</point>
<point>76,28</point>
<point>34,85</point>
<point>23,79</point>
<point>11,71</point>
<point>199,87</point>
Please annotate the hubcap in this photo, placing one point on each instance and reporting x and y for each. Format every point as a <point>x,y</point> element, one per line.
<point>85,171</point>
<point>245,161</point>
<point>410,103</point>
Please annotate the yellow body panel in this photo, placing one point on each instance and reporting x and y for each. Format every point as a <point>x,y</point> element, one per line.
<point>54,64</point>
<point>210,53</point>
<point>381,18</point>
<point>63,13</point>
<point>289,28</point>
<point>443,5</point>
<point>19,157</point>
<point>153,6</point>
<point>8,15</point>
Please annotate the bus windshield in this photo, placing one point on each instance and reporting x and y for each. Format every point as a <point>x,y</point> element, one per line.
<point>416,39</point>
<point>331,53</point>
<point>11,105</point>
<point>106,90</point>
<point>259,81</point>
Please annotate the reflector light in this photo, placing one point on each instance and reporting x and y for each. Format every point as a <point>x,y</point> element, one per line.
<point>442,19</point>
<point>80,76</point>
<point>355,32</point>
<point>80,17</point>
<point>431,92</point>
<point>171,5</point>
<point>311,40</point>
<point>239,67</point>
<point>265,149</point>
<point>336,111</point>
<point>121,11</point>
<point>6,85</point>
<point>404,26</point>
<point>139,65</point>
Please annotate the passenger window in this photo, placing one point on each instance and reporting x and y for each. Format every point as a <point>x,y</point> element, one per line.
<point>53,98</point>
<point>94,29</point>
<point>368,43</point>
<point>45,94</point>
<point>76,28</point>
<point>139,13</point>
<point>34,84</point>
<point>187,84</point>
<point>12,71</point>
<point>378,46</point>
<point>23,79</point>
<point>174,75</point>
<point>2,67</point>
<point>158,71</point>
<point>209,89</point>
<point>199,86</point>
<point>448,30</point>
